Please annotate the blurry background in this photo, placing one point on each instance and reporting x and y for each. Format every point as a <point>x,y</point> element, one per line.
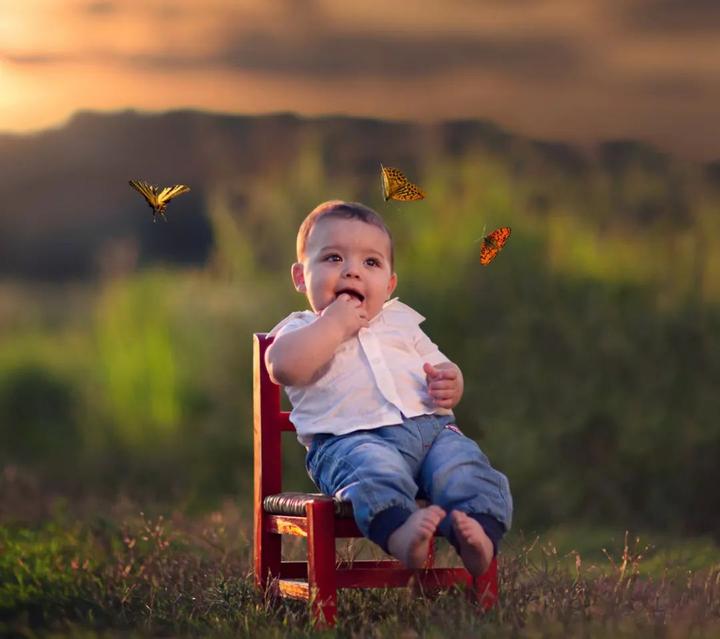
<point>589,347</point>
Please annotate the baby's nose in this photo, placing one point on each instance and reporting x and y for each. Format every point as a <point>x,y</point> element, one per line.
<point>351,270</point>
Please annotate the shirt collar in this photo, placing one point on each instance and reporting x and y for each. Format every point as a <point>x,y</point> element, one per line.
<point>395,313</point>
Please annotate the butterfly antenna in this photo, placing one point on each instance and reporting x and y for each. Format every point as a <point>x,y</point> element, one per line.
<point>482,237</point>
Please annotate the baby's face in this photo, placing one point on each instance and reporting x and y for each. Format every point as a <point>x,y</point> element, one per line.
<point>346,256</point>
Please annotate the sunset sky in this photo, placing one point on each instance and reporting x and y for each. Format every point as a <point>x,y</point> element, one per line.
<point>573,70</point>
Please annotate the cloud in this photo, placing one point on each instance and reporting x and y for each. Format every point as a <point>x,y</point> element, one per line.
<point>347,56</point>
<point>667,86</point>
<point>672,16</point>
<point>100,8</point>
<point>35,58</point>
<point>337,56</point>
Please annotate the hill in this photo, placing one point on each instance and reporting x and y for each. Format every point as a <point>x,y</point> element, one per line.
<point>64,198</point>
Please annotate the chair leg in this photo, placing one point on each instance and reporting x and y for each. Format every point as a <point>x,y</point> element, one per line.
<point>485,587</point>
<point>321,561</point>
<point>430,561</point>
<point>268,555</point>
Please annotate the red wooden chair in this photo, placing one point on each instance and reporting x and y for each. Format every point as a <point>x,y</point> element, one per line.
<point>322,520</point>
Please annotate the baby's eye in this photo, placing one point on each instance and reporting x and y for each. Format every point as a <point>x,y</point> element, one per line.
<point>372,261</point>
<point>332,257</point>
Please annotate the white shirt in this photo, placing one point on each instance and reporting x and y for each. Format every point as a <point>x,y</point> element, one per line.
<point>374,379</point>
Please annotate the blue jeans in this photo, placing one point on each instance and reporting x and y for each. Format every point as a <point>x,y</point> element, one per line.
<point>382,471</point>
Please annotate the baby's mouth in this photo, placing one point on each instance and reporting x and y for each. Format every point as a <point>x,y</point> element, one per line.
<point>357,295</point>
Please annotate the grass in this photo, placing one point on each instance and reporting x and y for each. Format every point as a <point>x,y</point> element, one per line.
<point>133,574</point>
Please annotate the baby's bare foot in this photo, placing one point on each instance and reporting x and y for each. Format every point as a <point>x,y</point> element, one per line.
<point>476,549</point>
<point>411,542</point>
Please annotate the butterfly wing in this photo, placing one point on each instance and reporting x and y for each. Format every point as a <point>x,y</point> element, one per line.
<point>169,192</point>
<point>384,182</point>
<point>393,180</point>
<point>493,243</point>
<point>408,193</point>
<point>147,191</point>
<point>397,187</point>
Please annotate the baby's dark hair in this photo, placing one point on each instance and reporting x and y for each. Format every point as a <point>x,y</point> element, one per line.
<point>343,210</point>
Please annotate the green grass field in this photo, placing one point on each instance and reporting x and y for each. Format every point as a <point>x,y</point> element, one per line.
<point>124,573</point>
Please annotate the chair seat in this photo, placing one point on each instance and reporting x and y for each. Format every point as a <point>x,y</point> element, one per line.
<point>293,503</point>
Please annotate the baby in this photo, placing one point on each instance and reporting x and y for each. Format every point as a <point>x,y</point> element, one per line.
<point>372,399</point>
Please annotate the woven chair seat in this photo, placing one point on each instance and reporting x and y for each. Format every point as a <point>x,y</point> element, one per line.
<point>293,503</point>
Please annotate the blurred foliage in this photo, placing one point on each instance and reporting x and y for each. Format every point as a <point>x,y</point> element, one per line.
<point>43,406</point>
<point>589,347</point>
<point>138,353</point>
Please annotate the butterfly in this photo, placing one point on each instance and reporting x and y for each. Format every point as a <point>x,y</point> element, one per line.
<point>493,243</point>
<point>397,187</point>
<point>156,197</point>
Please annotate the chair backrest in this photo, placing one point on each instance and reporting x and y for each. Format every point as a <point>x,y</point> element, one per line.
<point>269,424</point>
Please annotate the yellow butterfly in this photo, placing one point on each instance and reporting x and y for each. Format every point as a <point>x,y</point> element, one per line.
<point>156,197</point>
<point>397,187</point>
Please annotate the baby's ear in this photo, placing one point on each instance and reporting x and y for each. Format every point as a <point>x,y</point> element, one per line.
<point>298,277</point>
<point>392,283</point>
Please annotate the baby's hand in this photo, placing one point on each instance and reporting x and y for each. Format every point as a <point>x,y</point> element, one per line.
<point>444,383</point>
<point>347,314</point>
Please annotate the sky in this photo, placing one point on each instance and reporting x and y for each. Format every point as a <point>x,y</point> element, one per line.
<point>579,71</point>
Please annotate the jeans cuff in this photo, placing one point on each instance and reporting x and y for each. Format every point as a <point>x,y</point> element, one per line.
<point>385,523</point>
<point>492,527</point>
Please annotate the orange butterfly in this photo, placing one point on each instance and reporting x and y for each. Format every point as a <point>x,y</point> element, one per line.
<point>396,186</point>
<point>493,243</point>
